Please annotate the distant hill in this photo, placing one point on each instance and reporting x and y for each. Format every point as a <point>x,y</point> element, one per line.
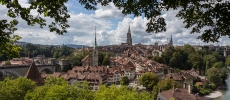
<point>20,43</point>
<point>75,46</point>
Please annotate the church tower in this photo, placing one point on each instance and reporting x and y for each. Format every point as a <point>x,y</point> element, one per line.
<point>95,52</point>
<point>170,42</point>
<point>129,38</point>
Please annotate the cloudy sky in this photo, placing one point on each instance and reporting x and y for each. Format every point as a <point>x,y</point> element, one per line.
<point>111,28</point>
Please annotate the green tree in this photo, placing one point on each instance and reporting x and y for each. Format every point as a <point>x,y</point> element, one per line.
<point>164,85</point>
<point>124,80</point>
<point>219,64</point>
<point>149,80</point>
<point>214,75</point>
<point>173,62</point>
<point>1,75</point>
<point>76,60</point>
<point>196,61</point>
<point>188,48</point>
<point>224,74</point>
<point>167,55</point>
<point>189,11</point>
<point>167,84</point>
<point>210,60</point>
<point>15,11</point>
<point>213,16</point>
<point>121,93</point>
<point>101,57</point>
<point>15,89</point>
<point>227,62</point>
<point>7,63</point>
<point>7,38</point>
<point>158,59</point>
<point>59,89</point>
<point>106,60</point>
<point>67,67</point>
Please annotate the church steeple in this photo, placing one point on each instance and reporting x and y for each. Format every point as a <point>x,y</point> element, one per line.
<point>95,52</point>
<point>95,42</point>
<point>129,38</point>
<point>129,29</point>
<point>171,41</point>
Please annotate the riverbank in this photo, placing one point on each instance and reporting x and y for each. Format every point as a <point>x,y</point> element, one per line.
<point>214,94</point>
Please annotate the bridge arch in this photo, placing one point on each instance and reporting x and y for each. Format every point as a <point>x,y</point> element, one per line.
<point>11,71</point>
<point>46,70</point>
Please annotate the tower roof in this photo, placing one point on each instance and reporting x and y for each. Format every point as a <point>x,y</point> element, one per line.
<point>171,39</point>
<point>34,74</point>
<point>129,29</point>
<point>95,42</point>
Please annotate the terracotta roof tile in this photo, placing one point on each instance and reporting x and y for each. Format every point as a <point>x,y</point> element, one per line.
<point>180,94</point>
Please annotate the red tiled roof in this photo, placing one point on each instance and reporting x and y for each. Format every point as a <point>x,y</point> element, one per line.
<point>174,76</point>
<point>180,94</point>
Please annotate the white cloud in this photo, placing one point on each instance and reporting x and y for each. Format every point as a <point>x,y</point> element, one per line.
<point>109,11</point>
<point>82,29</point>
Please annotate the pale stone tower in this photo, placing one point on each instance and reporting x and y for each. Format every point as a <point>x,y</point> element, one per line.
<point>95,52</point>
<point>129,38</point>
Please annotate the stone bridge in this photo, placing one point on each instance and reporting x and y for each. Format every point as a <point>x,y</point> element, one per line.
<point>21,70</point>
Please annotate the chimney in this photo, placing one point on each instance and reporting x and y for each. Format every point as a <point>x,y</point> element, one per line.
<point>189,89</point>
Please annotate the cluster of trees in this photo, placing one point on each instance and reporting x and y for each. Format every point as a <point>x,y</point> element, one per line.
<point>32,50</point>
<point>152,82</point>
<point>57,88</point>
<point>208,62</point>
<point>188,57</point>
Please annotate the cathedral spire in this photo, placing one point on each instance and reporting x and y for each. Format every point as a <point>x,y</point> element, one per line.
<point>129,29</point>
<point>171,41</point>
<point>129,38</point>
<point>95,42</point>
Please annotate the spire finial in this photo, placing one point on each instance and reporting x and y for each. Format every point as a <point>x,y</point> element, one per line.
<point>129,29</point>
<point>95,42</point>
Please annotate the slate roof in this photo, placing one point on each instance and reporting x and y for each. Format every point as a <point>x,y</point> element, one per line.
<point>34,74</point>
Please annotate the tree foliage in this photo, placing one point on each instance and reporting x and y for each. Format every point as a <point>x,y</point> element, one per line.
<point>149,80</point>
<point>158,59</point>
<point>227,62</point>
<point>164,85</point>
<point>219,64</point>
<point>55,10</point>
<point>120,93</point>
<point>210,60</point>
<point>203,16</point>
<point>195,60</point>
<point>15,89</point>
<point>196,14</point>
<point>224,74</point>
<point>59,89</point>
<point>106,60</point>
<point>214,75</point>
<point>124,80</point>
